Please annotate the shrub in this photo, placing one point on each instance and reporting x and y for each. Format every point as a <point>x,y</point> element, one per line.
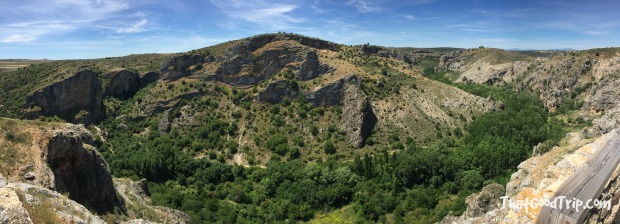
<point>328,147</point>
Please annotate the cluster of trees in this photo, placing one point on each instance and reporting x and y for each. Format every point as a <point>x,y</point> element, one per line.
<point>415,184</point>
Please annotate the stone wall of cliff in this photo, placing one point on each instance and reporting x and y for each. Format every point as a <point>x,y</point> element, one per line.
<point>77,99</point>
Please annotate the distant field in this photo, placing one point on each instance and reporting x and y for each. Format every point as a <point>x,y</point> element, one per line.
<point>14,64</point>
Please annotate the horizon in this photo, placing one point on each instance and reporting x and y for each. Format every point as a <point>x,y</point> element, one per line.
<point>88,29</point>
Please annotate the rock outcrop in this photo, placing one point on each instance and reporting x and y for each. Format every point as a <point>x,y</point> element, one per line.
<point>311,67</point>
<point>279,90</point>
<point>122,84</point>
<point>72,183</point>
<point>253,43</point>
<point>81,172</point>
<point>180,66</point>
<point>11,208</point>
<point>136,195</point>
<point>329,95</point>
<point>77,99</point>
<point>478,204</point>
<point>263,65</point>
<point>358,118</point>
<point>540,177</point>
<point>252,60</point>
<point>149,77</point>
<point>25,203</point>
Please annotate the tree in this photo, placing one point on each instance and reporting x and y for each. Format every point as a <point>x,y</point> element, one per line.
<point>329,147</point>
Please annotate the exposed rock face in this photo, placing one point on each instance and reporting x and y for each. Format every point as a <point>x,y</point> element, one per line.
<point>258,58</point>
<point>81,172</point>
<point>135,194</point>
<point>328,95</point>
<point>50,206</point>
<point>371,49</point>
<point>488,199</point>
<point>122,84</point>
<point>264,65</point>
<point>148,78</point>
<point>78,99</point>
<point>61,158</point>
<point>311,67</point>
<point>180,66</point>
<point>541,176</point>
<point>256,42</point>
<point>11,208</point>
<point>279,90</point>
<point>603,98</point>
<point>358,119</point>
<point>479,205</point>
<point>164,123</point>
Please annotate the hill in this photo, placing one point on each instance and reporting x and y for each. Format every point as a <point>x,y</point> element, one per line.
<point>239,131</point>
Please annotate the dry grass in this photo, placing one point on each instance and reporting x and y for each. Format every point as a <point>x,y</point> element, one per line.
<point>14,64</point>
<point>42,212</point>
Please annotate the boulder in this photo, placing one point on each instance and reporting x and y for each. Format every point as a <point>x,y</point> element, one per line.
<point>77,99</point>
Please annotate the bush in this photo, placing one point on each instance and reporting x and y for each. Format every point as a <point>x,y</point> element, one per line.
<point>328,147</point>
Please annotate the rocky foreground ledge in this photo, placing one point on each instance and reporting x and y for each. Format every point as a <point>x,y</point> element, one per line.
<point>56,175</point>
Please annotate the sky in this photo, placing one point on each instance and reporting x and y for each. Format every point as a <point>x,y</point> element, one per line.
<point>77,29</point>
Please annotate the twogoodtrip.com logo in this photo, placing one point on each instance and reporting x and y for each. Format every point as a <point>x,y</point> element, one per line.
<point>560,202</point>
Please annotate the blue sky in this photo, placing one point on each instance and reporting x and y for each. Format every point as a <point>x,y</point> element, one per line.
<point>71,29</point>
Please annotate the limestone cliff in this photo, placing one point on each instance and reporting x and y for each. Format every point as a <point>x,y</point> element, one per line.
<point>311,67</point>
<point>80,171</point>
<point>589,76</point>
<point>122,84</point>
<point>358,118</point>
<point>77,99</point>
<point>180,66</point>
<point>55,173</point>
<point>277,91</point>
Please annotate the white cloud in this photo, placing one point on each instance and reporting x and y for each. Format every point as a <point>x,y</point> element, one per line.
<point>268,15</point>
<point>135,28</point>
<point>29,20</point>
<point>364,6</point>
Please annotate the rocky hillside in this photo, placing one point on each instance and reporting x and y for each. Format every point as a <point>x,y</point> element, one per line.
<point>238,130</point>
<point>582,81</point>
<point>261,71</point>
<point>250,102</point>
<point>53,172</point>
